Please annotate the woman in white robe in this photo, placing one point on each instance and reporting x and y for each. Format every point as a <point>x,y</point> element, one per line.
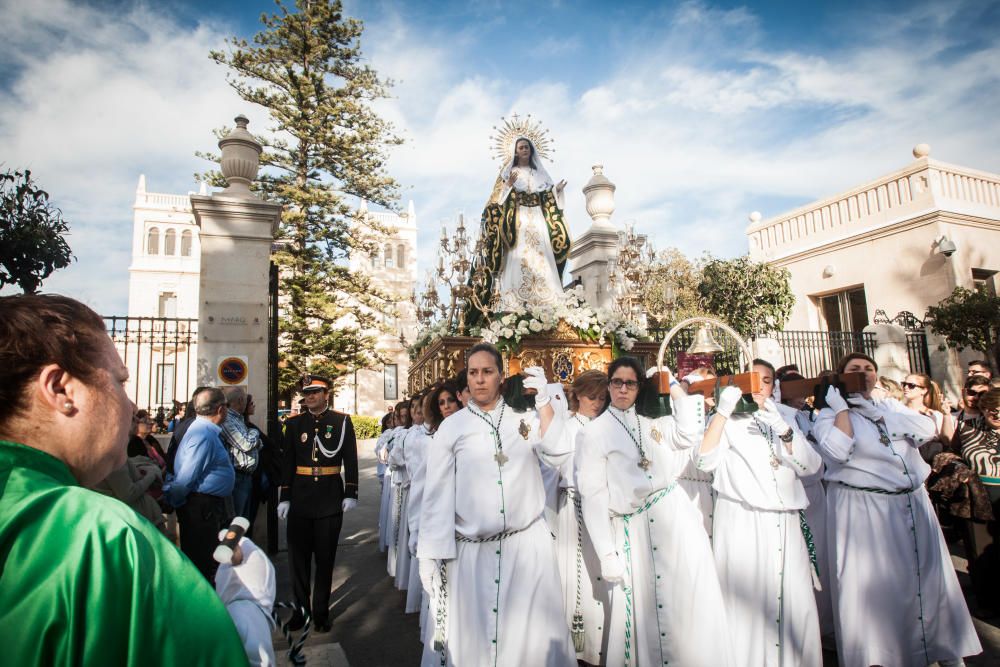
<point>481,526</point>
<point>666,605</point>
<point>401,531</point>
<point>896,596</point>
<point>381,456</point>
<point>761,546</point>
<point>401,419</point>
<point>585,597</point>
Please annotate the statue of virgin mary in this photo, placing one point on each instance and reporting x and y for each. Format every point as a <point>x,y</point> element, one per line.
<point>525,238</point>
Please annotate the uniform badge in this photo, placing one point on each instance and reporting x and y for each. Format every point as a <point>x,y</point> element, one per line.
<point>524,430</point>
<point>305,437</point>
<point>656,435</point>
<point>329,432</point>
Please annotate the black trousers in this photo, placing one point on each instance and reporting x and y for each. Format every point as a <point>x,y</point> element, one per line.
<point>200,519</point>
<point>308,539</point>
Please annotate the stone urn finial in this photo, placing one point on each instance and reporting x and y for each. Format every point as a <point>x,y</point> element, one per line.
<point>921,150</point>
<point>600,194</point>
<point>240,159</point>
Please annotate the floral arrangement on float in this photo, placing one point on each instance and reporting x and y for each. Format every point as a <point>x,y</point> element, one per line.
<point>598,326</point>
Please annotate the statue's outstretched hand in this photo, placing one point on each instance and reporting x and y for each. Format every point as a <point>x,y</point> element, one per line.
<point>512,178</point>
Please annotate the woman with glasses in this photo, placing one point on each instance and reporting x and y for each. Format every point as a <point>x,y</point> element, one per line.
<point>666,605</point>
<point>978,442</point>
<point>921,394</point>
<point>761,542</point>
<point>896,597</point>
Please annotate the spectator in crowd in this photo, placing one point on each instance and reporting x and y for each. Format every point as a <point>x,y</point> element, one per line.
<point>133,482</point>
<point>160,422</point>
<point>180,428</point>
<point>975,387</point>
<point>888,388</point>
<point>203,480</point>
<point>176,416</point>
<point>979,367</point>
<point>83,579</point>
<point>243,444</point>
<point>921,394</point>
<point>142,443</point>
<point>978,441</point>
<point>268,473</point>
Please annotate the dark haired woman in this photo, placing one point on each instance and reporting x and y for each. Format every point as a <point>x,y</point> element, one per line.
<point>407,575</point>
<point>484,547</point>
<point>896,597</point>
<point>761,547</point>
<point>585,596</point>
<point>666,604</point>
<point>400,422</point>
<point>404,421</point>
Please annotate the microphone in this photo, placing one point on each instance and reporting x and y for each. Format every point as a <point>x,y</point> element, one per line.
<point>229,538</point>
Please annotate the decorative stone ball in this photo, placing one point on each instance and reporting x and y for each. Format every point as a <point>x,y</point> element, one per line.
<point>921,150</point>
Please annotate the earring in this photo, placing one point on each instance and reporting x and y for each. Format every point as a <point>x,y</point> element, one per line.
<point>67,406</point>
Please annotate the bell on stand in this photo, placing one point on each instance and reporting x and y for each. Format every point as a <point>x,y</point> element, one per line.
<point>704,343</point>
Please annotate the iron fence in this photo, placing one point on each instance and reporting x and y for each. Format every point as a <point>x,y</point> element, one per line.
<point>916,350</point>
<point>816,351</point>
<point>161,356</point>
<point>726,362</point>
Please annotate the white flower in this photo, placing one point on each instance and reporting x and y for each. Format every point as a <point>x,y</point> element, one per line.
<point>535,326</point>
<point>489,336</point>
<point>508,319</point>
<point>506,332</point>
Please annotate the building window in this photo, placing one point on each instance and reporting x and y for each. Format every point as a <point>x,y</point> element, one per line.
<point>389,377</point>
<point>388,256</point>
<point>164,384</point>
<point>186,243</point>
<point>153,241</point>
<point>984,280</point>
<point>844,311</point>
<point>169,242</point>
<point>374,259</point>
<point>400,256</point>
<point>168,304</point>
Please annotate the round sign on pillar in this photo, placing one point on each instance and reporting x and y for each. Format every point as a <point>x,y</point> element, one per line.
<point>232,370</point>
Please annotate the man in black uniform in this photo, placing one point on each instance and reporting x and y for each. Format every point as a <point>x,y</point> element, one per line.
<point>319,484</point>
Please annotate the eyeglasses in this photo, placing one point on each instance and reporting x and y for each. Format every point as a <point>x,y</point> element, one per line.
<point>910,385</point>
<point>618,383</point>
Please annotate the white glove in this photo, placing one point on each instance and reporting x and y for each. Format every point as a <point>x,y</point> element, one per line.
<point>728,399</point>
<point>864,407</point>
<point>283,510</point>
<point>427,567</point>
<point>348,504</point>
<point>776,392</point>
<point>613,570</point>
<point>770,416</point>
<point>835,400</point>
<point>535,379</point>
<point>691,378</point>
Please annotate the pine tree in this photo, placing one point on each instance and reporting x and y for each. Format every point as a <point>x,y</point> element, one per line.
<point>328,148</point>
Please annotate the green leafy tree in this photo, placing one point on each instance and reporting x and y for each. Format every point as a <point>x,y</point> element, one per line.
<point>671,292</point>
<point>968,318</point>
<point>32,231</point>
<point>327,148</point>
<point>749,296</point>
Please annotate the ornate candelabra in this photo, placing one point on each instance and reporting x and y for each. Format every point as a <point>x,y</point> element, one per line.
<point>629,273</point>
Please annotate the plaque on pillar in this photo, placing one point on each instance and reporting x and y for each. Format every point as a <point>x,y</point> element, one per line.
<point>234,322</point>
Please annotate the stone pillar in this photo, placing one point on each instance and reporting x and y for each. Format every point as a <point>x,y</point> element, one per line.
<point>237,229</point>
<point>598,246</point>
<point>890,350</point>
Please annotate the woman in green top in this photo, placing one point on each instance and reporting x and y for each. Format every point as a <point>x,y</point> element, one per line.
<point>84,580</point>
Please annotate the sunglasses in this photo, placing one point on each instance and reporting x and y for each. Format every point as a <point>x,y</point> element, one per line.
<point>618,383</point>
<point>969,392</point>
<point>910,385</point>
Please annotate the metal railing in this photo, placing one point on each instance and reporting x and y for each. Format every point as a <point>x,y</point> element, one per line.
<point>161,356</point>
<point>816,351</point>
<point>916,350</point>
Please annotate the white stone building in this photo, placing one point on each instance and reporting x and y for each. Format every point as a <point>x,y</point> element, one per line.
<point>901,242</point>
<point>373,391</point>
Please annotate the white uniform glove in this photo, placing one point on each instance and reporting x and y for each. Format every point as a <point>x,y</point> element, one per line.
<point>691,378</point>
<point>864,407</point>
<point>535,379</point>
<point>283,510</point>
<point>613,570</point>
<point>427,567</point>
<point>348,504</point>
<point>835,400</point>
<point>769,415</point>
<point>728,399</point>
<point>776,392</point>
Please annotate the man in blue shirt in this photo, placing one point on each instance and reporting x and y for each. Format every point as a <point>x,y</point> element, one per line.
<point>202,481</point>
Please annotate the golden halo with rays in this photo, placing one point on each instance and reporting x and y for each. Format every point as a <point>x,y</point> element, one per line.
<point>510,129</point>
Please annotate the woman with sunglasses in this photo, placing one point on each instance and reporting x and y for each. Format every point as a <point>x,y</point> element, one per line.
<point>921,394</point>
<point>978,442</point>
<point>666,604</point>
<point>762,547</point>
<point>896,597</point>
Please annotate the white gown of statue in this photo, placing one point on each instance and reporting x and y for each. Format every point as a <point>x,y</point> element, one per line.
<point>529,277</point>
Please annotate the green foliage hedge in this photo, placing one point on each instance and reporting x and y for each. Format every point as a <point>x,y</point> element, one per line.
<point>366,427</point>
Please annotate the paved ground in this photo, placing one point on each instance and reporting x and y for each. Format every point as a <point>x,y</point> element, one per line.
<point>369,626</point>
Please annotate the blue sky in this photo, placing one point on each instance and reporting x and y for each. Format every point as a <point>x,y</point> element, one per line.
<point>701,111</point>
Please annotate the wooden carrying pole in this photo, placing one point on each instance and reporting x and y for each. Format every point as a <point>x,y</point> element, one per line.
<point>747,382</point>
<point>848,383</point>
